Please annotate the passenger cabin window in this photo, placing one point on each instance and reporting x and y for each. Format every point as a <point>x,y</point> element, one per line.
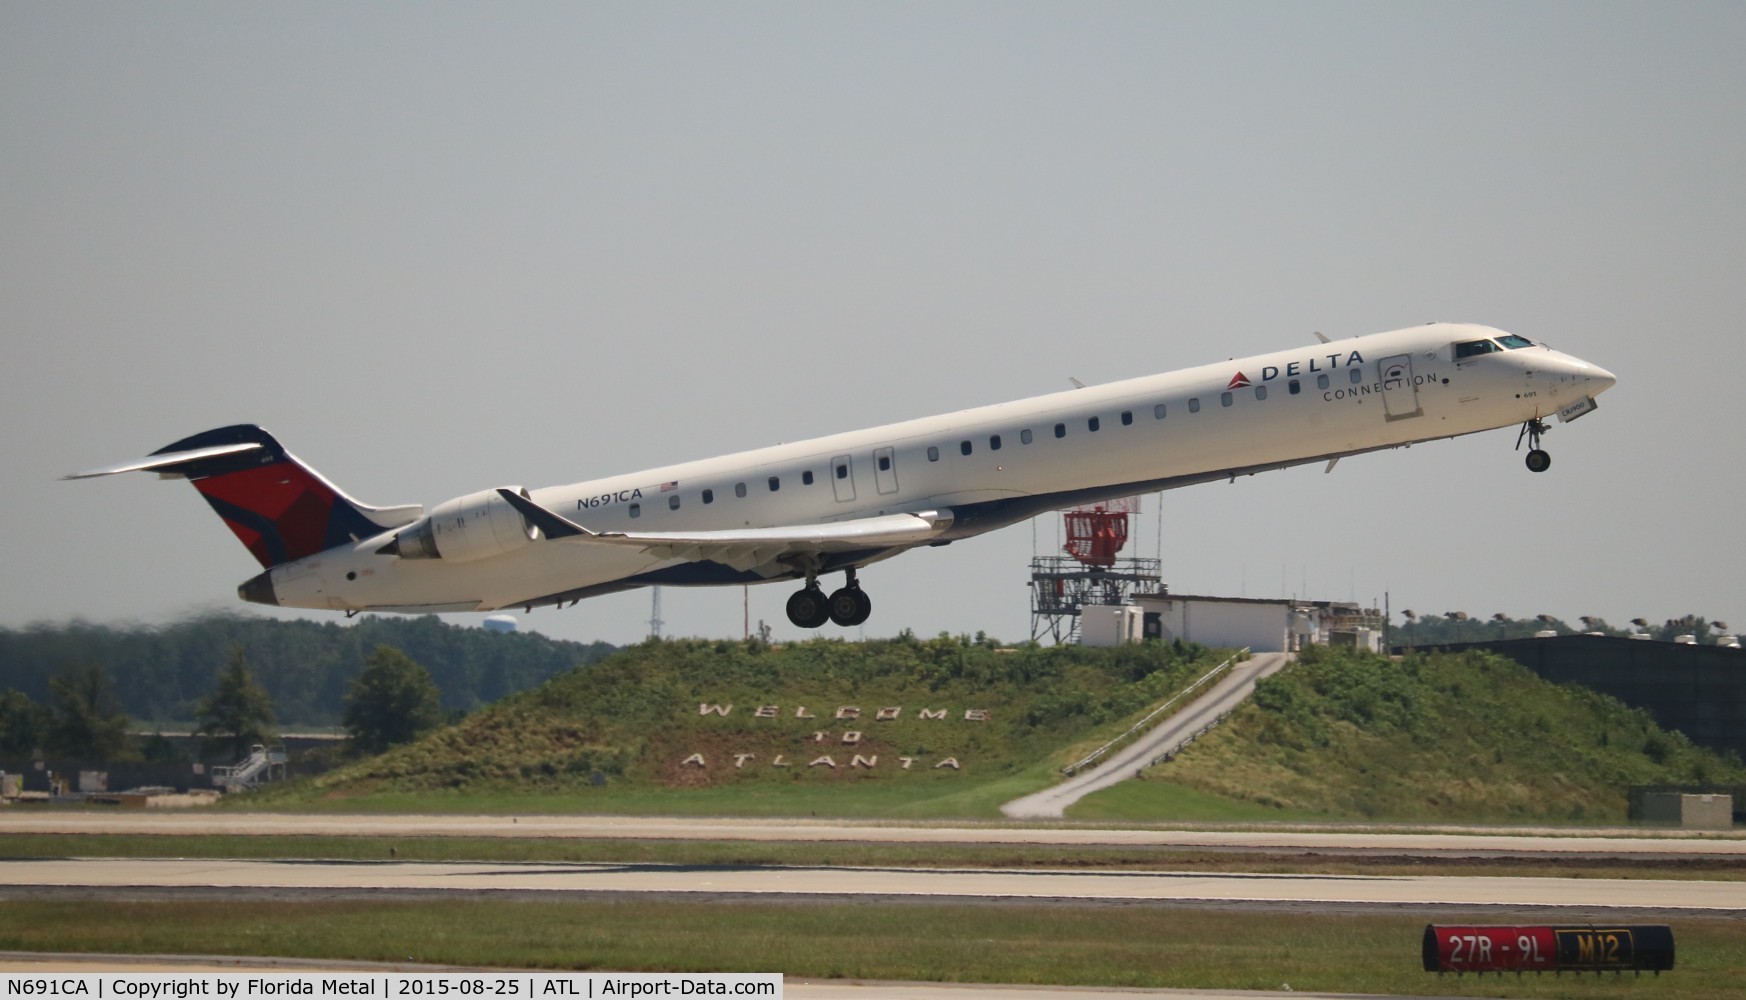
<point>1025,436</point>
<point>1060,430</point>
<point>709,496</point>
<point>1260,392</point>
<point>842,473</point>
<point>636,510</point>
<point>933,453</point>
<point>1474,348</point>
<point>1194,404</point>
<point>994,442</point>
<point>1127,418</point>
<point>1321,381</point>
<point>775,484</point>
<point>740,490</point>
<point>1354,375</point>
<point>884,463</point>
<point>963,447</point>
<point>1224,399</point>
<point>806,478</point>
<point>1294,387</point>
<point>1158,412</point>
<point>673,502</point>
<point>1092,424</point>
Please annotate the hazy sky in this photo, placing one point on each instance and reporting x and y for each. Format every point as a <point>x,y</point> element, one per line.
<point>437,248</point>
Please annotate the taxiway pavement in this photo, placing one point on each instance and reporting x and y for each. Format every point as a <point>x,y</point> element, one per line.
<point>181,876</point>
<point>1466,842</point>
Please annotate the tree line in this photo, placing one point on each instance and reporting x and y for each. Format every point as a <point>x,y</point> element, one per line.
<point>392,700</point>
<point>1426,629</point>
<point>159,676</point>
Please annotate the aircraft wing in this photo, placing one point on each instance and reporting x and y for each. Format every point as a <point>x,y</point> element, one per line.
<point>748,549</point>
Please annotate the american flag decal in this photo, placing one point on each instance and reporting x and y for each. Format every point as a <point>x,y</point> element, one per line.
<point>670,487</point>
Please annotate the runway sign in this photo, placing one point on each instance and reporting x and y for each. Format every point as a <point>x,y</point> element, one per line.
<point>1581,948</point>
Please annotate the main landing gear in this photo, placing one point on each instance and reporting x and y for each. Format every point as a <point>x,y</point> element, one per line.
<point>848,607</point>
<point>1538,461</point>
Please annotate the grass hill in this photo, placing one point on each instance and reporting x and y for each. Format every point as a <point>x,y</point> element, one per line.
<point>1438,738</point>
<point>951,727</point>
<point>945,726</point>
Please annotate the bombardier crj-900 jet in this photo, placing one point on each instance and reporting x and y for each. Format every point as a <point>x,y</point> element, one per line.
<point>837,504</point>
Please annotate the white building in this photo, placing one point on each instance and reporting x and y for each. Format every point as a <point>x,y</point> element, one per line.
<point>1264,625</point>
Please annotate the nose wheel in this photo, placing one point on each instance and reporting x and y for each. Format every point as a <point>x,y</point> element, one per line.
<point>1538,460</point>
<point>849,606</point>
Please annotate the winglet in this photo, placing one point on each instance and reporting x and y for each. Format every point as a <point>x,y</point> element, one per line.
<point>1321,336</point>
<point>552,525</point>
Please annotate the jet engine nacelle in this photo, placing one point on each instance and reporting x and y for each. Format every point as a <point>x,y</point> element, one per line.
<point>476,526</point>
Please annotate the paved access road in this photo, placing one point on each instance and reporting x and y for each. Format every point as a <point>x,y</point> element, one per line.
<point>1617,843</point>
<point>281,879</point>
<point>1167,736</point>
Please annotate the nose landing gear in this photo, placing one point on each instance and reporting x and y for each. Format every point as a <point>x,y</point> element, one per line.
<point>1538,460</point>
<point>848,606</point>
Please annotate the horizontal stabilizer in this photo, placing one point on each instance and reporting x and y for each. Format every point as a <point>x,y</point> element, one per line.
<point>278,507</point>
<point>165,464</point>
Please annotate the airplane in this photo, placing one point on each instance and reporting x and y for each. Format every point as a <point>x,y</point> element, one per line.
<point>841,503</point>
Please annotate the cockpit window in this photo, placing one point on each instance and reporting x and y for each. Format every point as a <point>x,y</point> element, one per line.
<point>1511,341</point>
<point>1472,348</point>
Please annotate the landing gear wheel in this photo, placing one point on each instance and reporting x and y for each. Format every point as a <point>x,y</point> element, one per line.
<point>1538,461</point>
<point>850,607</point>
<point>807,608</point>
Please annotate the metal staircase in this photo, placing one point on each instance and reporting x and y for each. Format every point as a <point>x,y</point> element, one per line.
<point>253,771</point>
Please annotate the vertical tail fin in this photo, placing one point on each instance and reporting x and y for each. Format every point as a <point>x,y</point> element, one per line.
<point>278,507</point>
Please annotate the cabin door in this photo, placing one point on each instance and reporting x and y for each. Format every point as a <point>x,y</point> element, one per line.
<point>843,478</point>
<point>1400,397</point>
<point>885,470</point>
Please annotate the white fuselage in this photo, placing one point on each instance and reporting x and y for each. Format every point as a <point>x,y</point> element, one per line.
<point>993,465</point>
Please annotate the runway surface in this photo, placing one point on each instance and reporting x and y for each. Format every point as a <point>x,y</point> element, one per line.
<point>1614,843</point>
<point>109,876</point>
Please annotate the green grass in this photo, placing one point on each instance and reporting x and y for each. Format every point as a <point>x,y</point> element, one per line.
<point>1106,946</point>
<point>969,798</point>
<point>1157,800</point>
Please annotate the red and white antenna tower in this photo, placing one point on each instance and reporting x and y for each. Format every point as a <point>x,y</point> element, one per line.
<point>1091,573</point>
<point>1096,533</point>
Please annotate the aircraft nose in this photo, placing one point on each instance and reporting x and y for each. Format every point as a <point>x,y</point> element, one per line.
<point>1600,379</point>
<point>1588,377</point>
